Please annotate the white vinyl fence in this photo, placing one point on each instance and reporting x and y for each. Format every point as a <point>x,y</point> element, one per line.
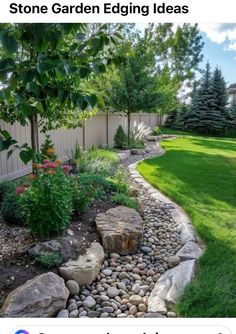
<point>99,131</point>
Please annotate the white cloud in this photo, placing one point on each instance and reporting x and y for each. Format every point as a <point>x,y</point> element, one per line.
<point>221,33</point>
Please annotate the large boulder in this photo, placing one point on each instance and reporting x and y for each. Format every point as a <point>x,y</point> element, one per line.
<point>121,230</point>
<point>42,297</point>
<point>170,286</point>
<point>85,269</point>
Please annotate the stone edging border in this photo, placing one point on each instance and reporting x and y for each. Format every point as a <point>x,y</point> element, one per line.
<point>172,283</point>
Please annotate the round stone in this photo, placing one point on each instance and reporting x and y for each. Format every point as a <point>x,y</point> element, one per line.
<point>107,272</point>
<point>72,307</point>
<point>136,288</point>
<point>112,292</point>
<point>128,267</point>
<point>173,261</point>
<point>142,308</point>
<point>171,315</point>
<point>89,302</point>
<point>63,314</point>
<point>146,249</point>
<point>121,285</point>
<point>104,315</point>
<point>73,287</point>
<point>135,300</point>
<point>107,309</point>
<point>74,314</point>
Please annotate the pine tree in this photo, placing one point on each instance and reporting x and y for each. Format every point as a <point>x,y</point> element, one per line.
<point>180,121</point>
<point>171,118</point>
<point>192,117</point>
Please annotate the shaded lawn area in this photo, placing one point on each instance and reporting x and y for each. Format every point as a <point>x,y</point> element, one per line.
<point>199,173</point>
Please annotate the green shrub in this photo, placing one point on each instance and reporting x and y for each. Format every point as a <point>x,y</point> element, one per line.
<point>99,162</point>
<point>136,143</point>
<point>120,182</point>
<point>86,188</point>
<point>157,131</point>
<point>10,209</point>
<point>47,149</point>
<point>49,260</point>
<point>125,200</point>
<point>47,203</point>
<point>120,138</point>
<point>5,188</point>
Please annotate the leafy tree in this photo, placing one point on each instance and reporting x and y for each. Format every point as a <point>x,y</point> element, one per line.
<point>134,91</point>
<point>41,72</point>
<point>179,49</point>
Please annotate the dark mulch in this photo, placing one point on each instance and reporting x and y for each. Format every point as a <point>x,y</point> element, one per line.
<point>17,267</point>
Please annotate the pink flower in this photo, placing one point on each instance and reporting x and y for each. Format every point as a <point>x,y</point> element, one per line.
<point>20,190</point>
<point>46,161</point>
<point>66,163</point>
<point>44,166</point>
<point>66,168</point>
<point>52,165</point>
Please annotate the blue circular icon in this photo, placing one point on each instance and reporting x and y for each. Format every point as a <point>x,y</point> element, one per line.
<point>21,331</point>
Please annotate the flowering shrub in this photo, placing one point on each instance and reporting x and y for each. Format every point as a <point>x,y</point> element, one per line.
<point>47,203</point>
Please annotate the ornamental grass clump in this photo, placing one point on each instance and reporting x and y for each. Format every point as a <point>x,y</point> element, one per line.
<point>47,204</point>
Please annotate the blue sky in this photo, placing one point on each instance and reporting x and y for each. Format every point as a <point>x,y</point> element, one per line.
<point>218,54</point>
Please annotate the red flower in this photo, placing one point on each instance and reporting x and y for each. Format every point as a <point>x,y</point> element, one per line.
<point>46,161</point>
<point>66,168</point>
<point>52,165</point>
<point>44,166</point>
<point>20,190</point>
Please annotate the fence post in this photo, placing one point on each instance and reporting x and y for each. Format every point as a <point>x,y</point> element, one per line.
<point>107,128</point>
<point>83,135</point>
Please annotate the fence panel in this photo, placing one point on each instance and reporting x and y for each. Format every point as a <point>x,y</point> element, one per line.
<point>99,130</point>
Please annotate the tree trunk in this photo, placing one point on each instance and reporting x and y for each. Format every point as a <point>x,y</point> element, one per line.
<point>128,124</point>
<point>34,132</point>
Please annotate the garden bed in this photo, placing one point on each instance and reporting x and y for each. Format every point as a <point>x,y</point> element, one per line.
<point>17,266</point>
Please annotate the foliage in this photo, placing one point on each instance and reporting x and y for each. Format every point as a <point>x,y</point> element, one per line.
<point>6,187</point>
<point>157,131</point>
<point>41,70</point>
<point>126,200</point>
<point>120,138</point>
<point>48,149</point>
<point>140,131</point>
<point>98,161</point>
<point>47,203</point>
<point>10,208</point>
<point>208,112</point>
<point>86,187</point>
<point>199,174</point>
<point>74,156</point>
<point>120,181</point>
<point>49,260</point>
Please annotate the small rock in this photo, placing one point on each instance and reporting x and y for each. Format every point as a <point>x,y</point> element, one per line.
<point>171,315</point>
<point>173,261</point>
<point>145,249</point>
<point>142,308</point>
<point>136,288</point>
<point>135,300</point>
<point>73,287</point>
<point>63,314</point>
<point>133,310</point>
<point>89,302</point>
<point>112,292</point>
<point>107,272</point>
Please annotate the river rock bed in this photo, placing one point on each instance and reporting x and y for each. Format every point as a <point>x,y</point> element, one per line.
<point>123,287</point>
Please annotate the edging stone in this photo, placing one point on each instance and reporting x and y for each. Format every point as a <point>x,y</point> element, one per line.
<point>172,283</point>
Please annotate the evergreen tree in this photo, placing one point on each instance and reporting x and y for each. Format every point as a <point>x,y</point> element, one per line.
<point>171,118</point>
<point>180,120</point>
<point>192,117</point>
<point>211,120</point>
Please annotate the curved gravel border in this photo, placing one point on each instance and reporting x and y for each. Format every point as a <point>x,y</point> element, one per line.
<point>172,283</point>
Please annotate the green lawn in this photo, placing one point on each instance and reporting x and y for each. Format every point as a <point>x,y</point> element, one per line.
<point>199,173</point>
